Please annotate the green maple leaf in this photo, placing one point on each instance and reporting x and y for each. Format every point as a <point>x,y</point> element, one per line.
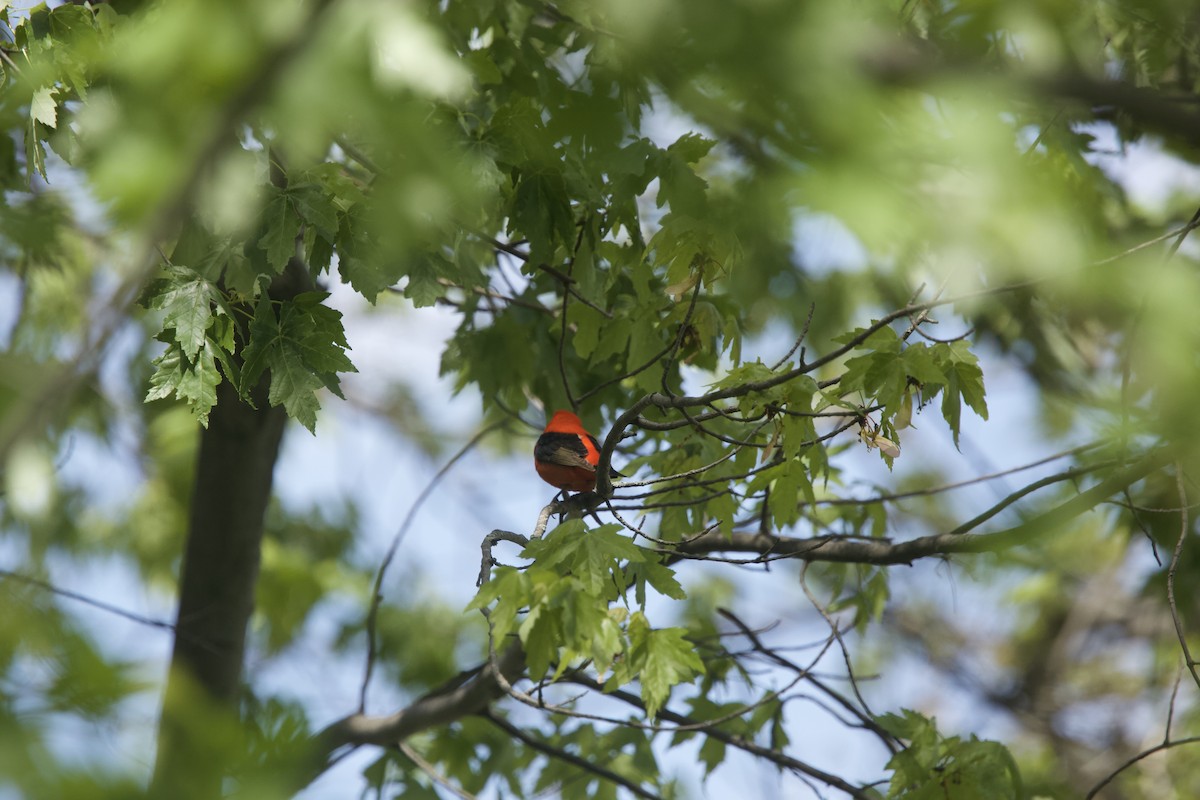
<point>294,386</point>
<point>542,211</point>
<point>660,577</point>
<point>316,331</point>
<point>316,207</point>
<point>669,659</point>
<point>304,348</point>
<point>189,304</point>
<point>282,223</point>
<point>43,108</point>
<point>192,380</point>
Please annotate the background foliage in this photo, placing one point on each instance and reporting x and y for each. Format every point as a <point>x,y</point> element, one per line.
<point>762,248</point>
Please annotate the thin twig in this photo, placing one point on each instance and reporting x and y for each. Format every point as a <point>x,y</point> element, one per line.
<point>377,590</point>
<point>1049,480</point>
<point>946,487</point>
<point>949,340</point>
<point>1178,232</point>
<point>650,362</point>
<point>1042,133</point>
<point>673,350</point>
<point>569,758</point>
<point>90,601</point>
<point>1183,532</point>
<point>1135,759</point>
<point>1192,223</point>
<point>733,740</point>
<point>566,280</point>
<point>775,462</point>
<point>923,315</point>
<point>433,773</point>
<point>489,294</point>
<point>812,309</point>
<point>837,634</point>
<point>692,726</point>
<point>4,55</point>
<point>864,718</point>
<point>1171,704</point>
<point>562,321</point>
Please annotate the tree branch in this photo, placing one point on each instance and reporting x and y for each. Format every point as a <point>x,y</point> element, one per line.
<point>664,401</point>
<point>570,758</point>
<point>880,551</point>
<point>1166,745</point>
<point>1184,528</point>
<point>774,756</point>
<point>476,689</point>
<point>432,772</point>
<point>469,693</point>
<point>88,601</point>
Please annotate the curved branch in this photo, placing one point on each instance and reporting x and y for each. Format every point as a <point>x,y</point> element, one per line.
<point>1184,528</point>
<point>377,588</point>
<point>430,770</point>
<point>1013,497</point>
<point>1165,745</point>
<point>470,693</point>
<point>881,551</point>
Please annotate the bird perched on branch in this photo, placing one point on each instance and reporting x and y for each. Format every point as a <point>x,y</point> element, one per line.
<point>566,455</point>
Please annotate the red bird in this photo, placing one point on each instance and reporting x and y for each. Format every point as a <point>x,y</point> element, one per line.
<point>566,455</point>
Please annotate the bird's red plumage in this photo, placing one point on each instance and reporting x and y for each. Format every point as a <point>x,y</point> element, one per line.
<point>566,455</point>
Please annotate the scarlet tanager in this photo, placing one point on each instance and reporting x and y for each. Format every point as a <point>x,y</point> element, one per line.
<point>566,455</point>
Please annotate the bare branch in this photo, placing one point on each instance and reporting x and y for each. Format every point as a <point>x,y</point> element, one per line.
<point>946,487</point>
<point>812,309</point>
<point>487,293</point>
<point>1135,759</point>
<point>1184,527</point>
<point>468,694</point>
<point>865,720</point>
<point>1183,232</point>
<point>377,591</point>
<point>432,772</point>
<point>489,541</point>
<point>1049,480</point>
<point>835,630</point>
<point>562,330</point>
<point>673,350</point>
<point>1177,234</point>
<point>650,362</point>
<point>566,280</point>
<point>90,601</point>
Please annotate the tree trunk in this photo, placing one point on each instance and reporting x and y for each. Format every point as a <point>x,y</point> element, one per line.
<point>198,729</point>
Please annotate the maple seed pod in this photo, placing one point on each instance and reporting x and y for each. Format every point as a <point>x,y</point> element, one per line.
<point>887,446</point>
<point>873,439</point>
